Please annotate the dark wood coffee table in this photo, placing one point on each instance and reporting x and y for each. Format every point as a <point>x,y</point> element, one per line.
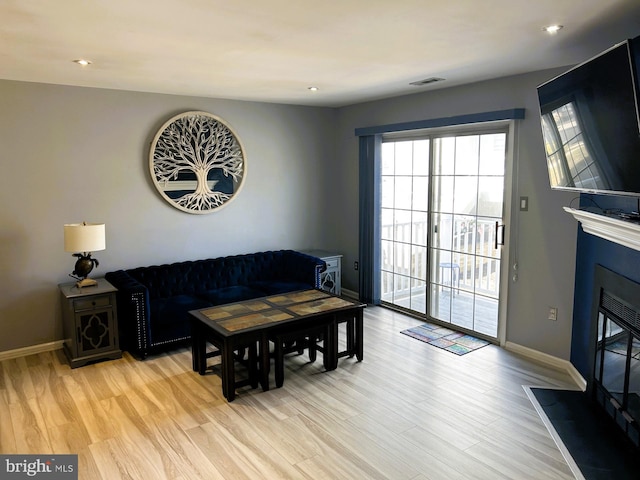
<point>251,323</point>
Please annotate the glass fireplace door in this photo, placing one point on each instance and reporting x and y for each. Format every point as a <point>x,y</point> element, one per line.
<point>617,370</point>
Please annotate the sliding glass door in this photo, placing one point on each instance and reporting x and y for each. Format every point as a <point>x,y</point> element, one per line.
<point>442,203</point>
<point>465,243</point>
<point>404,223</point>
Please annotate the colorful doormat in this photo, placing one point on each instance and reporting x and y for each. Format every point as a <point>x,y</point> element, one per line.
<point>441,337</point>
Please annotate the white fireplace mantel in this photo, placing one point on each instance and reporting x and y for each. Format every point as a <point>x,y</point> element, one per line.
<point>613,229</point>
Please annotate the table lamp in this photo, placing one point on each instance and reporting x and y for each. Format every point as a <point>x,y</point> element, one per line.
<point>81,239</point>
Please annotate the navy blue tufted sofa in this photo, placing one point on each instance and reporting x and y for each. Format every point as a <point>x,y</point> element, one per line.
<point>154,301</point>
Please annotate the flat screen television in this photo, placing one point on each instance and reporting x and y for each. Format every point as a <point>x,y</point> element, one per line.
<point>591,123</point>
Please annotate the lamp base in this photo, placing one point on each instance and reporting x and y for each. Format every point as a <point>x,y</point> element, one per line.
<point>86,282</point>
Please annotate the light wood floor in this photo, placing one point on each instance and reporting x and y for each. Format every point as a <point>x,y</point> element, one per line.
<point>408,411</point>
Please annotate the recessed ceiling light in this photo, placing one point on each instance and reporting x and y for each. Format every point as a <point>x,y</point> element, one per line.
<point>426,81</point>
<point>83,62</point>
<point>313,89</point>
<point>552,29</point>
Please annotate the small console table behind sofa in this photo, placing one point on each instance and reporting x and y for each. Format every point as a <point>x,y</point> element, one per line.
<point>154,302</point>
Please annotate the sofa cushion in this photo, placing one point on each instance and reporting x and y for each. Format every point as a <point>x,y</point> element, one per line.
<point>170,319</point>
<point>175,309</point>
<point>277,287</point>
<point>238,293</point>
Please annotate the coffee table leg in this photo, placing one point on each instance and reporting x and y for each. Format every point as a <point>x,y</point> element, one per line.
<point>253,365</point>
<point>327,346</point>
<point>264,362</point>
<point>195,347</point>
<point>223,375</point>
<point>331,347</point>
<point>351,333</point>
<point>359,335</point>
<point>278,355</point>
<point>228,373</point>
<point>199,351</point>
<point>313,350</point>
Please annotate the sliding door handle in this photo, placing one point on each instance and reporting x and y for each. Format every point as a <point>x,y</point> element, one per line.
<point>501,241</point>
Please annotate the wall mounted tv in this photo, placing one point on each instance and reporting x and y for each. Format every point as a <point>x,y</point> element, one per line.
<point>591,123</point>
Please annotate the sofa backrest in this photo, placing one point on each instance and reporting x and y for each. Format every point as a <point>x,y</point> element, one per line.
<point>191,277</point>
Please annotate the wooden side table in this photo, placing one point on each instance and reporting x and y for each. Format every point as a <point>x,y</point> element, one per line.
<point>90,322</point>
<point>331,278</point>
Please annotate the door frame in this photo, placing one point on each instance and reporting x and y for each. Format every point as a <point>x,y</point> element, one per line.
<point>508,263</point>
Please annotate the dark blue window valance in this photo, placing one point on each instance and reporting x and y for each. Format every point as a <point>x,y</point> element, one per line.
<point>511,114</point>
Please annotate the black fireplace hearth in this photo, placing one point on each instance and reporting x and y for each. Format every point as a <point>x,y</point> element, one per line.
<point>591,443</point>
<point>615,346</point>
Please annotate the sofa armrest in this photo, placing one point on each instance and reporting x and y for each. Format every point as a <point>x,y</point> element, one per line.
<point>304,268</point>
<point>133,312</point>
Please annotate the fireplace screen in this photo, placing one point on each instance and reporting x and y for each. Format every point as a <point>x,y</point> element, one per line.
<point>617,359</point>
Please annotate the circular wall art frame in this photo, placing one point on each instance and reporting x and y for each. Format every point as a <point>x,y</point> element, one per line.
<point>197,162</point>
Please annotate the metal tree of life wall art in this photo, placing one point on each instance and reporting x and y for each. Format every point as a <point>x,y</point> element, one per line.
<point>197,162</point>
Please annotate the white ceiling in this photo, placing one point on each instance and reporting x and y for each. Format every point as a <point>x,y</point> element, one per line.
<point>273,50</point>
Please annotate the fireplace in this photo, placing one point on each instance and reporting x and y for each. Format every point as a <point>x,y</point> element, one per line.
<point>615,348</point>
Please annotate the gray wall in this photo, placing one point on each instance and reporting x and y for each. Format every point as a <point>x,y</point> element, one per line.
<point>72,154</point>
<point>79,154</point>
<point>543,239</point>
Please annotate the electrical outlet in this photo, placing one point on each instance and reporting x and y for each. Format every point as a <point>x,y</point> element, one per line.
<point>553,313</point>
<point>355,265</point>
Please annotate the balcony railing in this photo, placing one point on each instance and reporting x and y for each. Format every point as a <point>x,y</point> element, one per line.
<point>466,260</point>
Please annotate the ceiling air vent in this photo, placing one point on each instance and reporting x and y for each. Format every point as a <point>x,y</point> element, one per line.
<point>426,81</point>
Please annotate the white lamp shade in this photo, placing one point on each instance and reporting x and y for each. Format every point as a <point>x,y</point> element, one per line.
<point>84,237</point>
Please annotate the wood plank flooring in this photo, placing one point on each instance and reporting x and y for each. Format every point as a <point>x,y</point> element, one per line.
<point>408,411</point>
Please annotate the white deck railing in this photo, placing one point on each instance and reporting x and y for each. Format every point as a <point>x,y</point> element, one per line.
<point>467,260</point>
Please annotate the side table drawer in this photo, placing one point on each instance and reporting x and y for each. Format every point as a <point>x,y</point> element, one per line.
<point>332,262</point>
<point>93,302</point>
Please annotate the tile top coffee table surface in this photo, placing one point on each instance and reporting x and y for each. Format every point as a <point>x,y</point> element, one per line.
<point>243,324</point>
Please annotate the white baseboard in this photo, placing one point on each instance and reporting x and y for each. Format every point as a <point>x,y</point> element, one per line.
<point>32,350</point>
<point>549,360</point>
